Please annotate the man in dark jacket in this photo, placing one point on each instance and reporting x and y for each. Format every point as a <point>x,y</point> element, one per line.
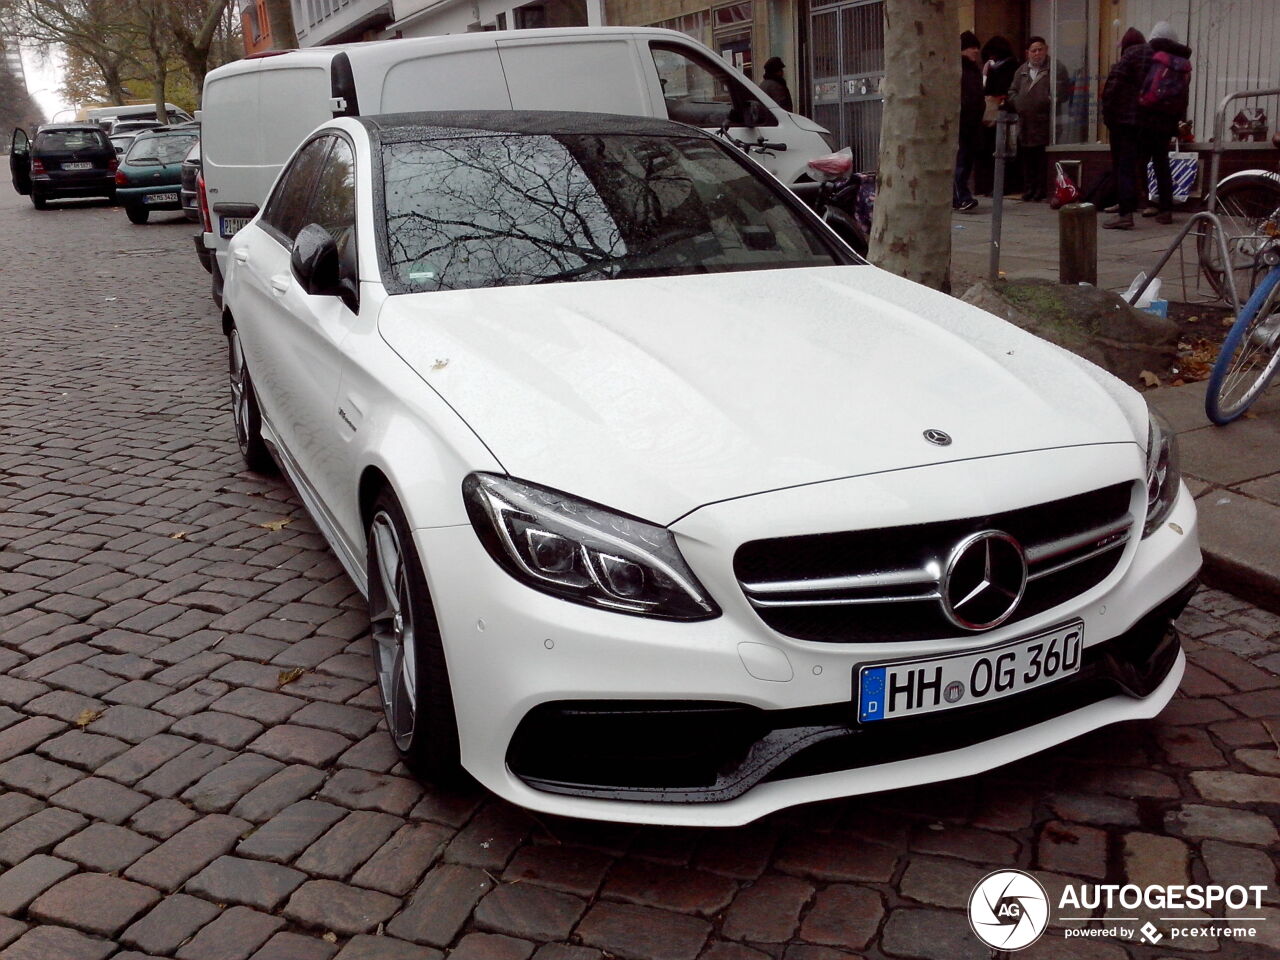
<point>972,105</point>
<point>775,84</point>
<point>1031,97</point>
<point>1120,114</point>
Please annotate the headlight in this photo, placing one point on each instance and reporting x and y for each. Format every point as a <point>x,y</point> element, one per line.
<point>582,552</point>
<point>1162,472</point>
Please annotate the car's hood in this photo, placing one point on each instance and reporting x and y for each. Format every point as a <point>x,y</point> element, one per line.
<point>657,395</point>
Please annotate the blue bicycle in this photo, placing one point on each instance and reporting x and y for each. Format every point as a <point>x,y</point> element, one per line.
<point>1251,352</point>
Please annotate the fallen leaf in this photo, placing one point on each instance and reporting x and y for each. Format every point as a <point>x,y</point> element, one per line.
<point>1249,415</point>
<point>288,676</point>
<point>87,716</point>
<point>440,364</point>
<point>1149,379</point>
<point>1059,835</point>
<point>1193,319</point>
<point>180,535</point>
<point>330,937</point>
<point>276,524</point>
<point>1228,321</point>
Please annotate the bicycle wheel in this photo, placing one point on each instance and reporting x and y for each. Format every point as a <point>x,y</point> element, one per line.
<point>1249,355</point>
<point>1244,205</point>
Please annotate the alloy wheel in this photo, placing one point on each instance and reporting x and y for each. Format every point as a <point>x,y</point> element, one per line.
<point>391,622</point>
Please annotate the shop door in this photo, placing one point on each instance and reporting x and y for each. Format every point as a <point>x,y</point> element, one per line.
<point>846,62</point>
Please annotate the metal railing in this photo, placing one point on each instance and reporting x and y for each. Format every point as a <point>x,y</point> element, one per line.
<point>1228,273</point>
<point>1220,132</point>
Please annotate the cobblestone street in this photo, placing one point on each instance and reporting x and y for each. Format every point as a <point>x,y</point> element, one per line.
<point>193,763</point>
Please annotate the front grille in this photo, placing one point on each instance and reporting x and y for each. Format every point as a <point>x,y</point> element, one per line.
<point>867,586</point>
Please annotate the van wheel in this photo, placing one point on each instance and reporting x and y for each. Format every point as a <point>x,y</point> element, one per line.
<point>244,409</point>
<point>38,201</point>
<point>136,214</point>
<point>408,655</point>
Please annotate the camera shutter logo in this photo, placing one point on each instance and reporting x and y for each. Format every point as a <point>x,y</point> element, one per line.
<point>1008,910</point>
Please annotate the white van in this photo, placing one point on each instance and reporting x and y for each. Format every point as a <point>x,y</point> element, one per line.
<point>255,111</point>
<point>108,117</point>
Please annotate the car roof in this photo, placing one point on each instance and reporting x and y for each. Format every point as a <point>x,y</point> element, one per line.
<point>78,125</point>
<point>165,131</point>
<point>410,126</point>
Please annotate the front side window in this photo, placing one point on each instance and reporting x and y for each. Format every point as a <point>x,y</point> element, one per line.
<point>699,92</point>
<point>505,209</point>
<point>166,149</point>
<point>286,208</point>
<point>333,203</point>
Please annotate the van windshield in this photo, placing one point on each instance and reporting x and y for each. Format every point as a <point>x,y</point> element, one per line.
<point>506,209</point>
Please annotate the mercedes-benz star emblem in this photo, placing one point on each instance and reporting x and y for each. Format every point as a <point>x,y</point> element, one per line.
<point>938,437</point>
<point>984,581</point>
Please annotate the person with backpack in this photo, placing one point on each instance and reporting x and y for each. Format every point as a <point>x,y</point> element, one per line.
<point>1162,105</point>
<point>1138,120</point>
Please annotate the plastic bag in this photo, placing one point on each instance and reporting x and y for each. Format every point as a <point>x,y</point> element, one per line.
<point>1064,189</point>
<point>834,166</point>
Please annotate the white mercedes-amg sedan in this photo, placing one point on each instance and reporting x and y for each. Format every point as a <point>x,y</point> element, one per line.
<point>668,508</point>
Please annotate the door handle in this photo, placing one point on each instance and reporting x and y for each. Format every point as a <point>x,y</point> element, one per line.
<point>280,284</point>
<point>242,256</point>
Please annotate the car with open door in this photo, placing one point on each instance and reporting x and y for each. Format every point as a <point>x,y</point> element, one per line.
<point>667,506</point>
<point>63,160</point>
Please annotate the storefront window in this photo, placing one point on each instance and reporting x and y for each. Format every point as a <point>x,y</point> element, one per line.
<point>1069,45</point>
<point>732,34</point>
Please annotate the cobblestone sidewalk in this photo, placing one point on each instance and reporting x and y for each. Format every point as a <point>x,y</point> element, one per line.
<point>191,758</point>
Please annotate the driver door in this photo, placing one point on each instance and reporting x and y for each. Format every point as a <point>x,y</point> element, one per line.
<point>20,161</point>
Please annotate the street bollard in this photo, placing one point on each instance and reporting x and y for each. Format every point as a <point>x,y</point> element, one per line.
<point>1006,149</point>
<point>1078,244</point>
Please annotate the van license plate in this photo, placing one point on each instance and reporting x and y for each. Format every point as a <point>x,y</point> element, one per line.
<point>230,226</point>
<point>77,166</point>
<point>912,687</point>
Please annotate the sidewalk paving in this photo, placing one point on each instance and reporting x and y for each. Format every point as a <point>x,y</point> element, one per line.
<point>1233,471</point>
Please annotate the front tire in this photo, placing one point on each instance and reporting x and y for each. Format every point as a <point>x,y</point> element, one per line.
<point>137,214</point>
<point>408,654</point>
<point>1250,354</point>
<point>245,411</point>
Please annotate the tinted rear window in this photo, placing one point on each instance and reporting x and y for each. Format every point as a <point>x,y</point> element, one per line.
<point>169,148</point>
<point>55,140</point>
<point>503,209</point>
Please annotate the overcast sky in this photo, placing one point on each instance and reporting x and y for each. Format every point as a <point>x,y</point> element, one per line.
<point>44,78</point>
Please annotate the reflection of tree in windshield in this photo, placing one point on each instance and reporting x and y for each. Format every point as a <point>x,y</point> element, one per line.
<point>504,209</point>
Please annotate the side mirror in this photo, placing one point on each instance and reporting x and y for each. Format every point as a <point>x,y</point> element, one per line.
<point>315,261</point>
<point>754,114</point>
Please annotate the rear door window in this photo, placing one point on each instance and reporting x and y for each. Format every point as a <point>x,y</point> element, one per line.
<point>69,141</point>
<point>165,149</point>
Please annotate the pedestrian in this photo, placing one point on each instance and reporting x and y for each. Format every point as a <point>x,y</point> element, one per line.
<point>1159,116</point>
<point>775,84</point>
<point>1120,114</point>
<point>999,66</point>
<point>1032,96</point>
<point>972,106</point>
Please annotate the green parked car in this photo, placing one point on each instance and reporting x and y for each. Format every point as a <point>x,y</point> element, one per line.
<point>150,174</point>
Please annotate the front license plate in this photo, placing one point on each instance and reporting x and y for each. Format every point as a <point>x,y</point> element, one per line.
<point>908,688</point>
<point>160,198</point>
<point>77,166</point>
<point>229,226</point>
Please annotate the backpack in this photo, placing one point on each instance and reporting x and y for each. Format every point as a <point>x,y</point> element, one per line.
<point>1166,88</point>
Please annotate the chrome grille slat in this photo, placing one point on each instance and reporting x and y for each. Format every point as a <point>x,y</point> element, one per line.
<point>799,585</point>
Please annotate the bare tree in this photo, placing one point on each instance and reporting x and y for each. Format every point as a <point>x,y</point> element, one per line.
<point>194,25</point>
<point>910,232</point>
<point>101,31</point>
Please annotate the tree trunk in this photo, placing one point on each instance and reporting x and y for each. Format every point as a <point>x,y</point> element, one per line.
<point>911,229</point>
<point>284,36</point>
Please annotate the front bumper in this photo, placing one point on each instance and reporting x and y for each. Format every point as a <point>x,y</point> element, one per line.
<point>749,721</point>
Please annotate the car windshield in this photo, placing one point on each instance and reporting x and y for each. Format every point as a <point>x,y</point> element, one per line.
<point>169,148</point>
<point>70,140</point>
<point>509,209</point>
